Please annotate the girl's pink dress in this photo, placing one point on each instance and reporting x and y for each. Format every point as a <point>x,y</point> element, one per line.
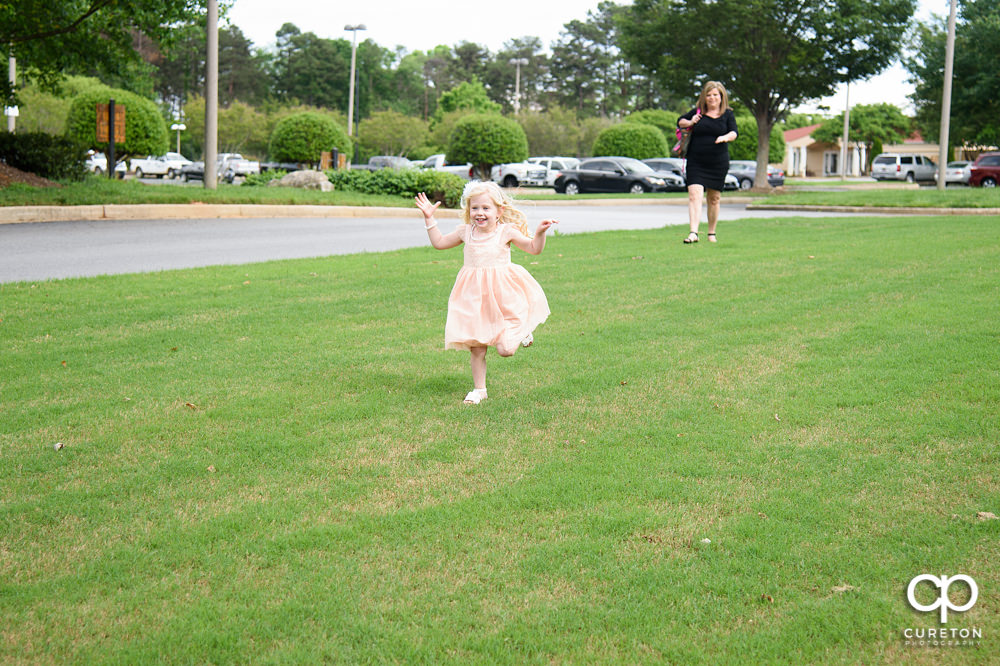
<point>494,302</point>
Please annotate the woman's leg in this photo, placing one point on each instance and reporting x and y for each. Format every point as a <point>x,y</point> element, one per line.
<point>714,198</point>
<point>695,195</point>
<point>478,363</point>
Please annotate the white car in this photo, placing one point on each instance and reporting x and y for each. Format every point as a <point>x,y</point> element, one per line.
<point>97,163</point>
<point>519,173</point>
<point>553,166</point>
<point>957,172</point>
<point>168,165</point>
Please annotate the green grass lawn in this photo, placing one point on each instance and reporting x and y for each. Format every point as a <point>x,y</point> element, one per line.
<point>734,453</point>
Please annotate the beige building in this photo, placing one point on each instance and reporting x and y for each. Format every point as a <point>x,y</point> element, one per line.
<point>804,156</point>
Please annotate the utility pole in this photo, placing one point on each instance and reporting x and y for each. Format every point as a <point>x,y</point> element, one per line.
<point>949,66</point>
<point>847,126</point>
<point>210,174</point>
<point>517,62</point>
<point>11,111</point>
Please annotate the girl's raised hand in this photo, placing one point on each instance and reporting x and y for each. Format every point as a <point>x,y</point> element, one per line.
<point>425,205</point>
<point>544,225</point>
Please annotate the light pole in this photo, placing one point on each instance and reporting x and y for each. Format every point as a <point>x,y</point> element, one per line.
<point>350,96</point>
<point>949,68</point>
<point>178,127</point>
<point>517,82</point>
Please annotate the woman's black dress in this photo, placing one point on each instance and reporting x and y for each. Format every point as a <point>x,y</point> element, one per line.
<point>708,161</point>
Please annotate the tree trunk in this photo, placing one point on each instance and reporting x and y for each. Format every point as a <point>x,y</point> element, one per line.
<point>764,127</point>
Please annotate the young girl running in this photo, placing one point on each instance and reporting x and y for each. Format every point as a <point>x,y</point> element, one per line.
<point>494,302</point>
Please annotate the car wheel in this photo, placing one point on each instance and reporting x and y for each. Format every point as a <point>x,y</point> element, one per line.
<point>138,172</point>
<point>184,177</point>
<point>572,187</point>
<point>910,178</point>
<point>636,188</point>
<point>510,181</point>
<point>745,183</point>
<point>171,174</point>
<point>989,182</point>
<point>98,171</point>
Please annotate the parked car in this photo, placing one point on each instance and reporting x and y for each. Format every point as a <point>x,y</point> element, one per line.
<point>519,173</point>
<point>168,165</point>
<point>910,167</point>
<point>234,165</point>
<point>553,165</point>
<point>439,163</point>
<point>610,174</point>
<point>745,170</point>
<point>378,162</point>
<point>957,172</point>
<point>985,170</point>
<point>97,163</point>
<point>676,166</point>
<point>193,171</point>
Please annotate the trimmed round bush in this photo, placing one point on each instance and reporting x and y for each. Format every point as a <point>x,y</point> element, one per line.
<point>304,136</point>
<point>145,129</point>
<point>665,121</point>
<point>636,140</point>
<point>485,139</point>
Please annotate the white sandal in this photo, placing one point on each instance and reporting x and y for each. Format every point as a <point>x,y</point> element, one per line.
<point>528,340</point>
<point>475,396</point>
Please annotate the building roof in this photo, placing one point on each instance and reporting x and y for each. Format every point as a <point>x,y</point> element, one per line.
<point>793,134</point>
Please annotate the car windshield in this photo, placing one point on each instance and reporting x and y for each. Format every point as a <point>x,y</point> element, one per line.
<point>635,166</point>
<point>884,160</point>
<point>957,165</point>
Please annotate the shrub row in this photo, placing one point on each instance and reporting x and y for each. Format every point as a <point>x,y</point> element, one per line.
<point>45,155</point>
<point>438,185</point>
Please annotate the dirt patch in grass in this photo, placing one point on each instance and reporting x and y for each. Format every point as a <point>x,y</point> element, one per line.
<point>9,175</point>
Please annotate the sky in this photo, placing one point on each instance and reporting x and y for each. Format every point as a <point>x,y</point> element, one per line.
<point>424,24</point>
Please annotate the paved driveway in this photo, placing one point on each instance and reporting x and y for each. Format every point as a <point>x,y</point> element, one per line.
<point>38,251</point>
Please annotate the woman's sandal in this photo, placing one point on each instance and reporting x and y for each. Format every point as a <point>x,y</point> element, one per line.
<point>711,238</point>
<point>692,238</point>
<point>475,396</point>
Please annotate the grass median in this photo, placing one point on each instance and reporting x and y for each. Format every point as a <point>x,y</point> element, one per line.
<point>731,453</point>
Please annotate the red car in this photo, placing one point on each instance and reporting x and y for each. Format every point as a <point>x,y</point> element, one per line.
<point>985,170</point>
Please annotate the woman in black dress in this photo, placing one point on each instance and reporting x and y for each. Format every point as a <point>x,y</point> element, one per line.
<point>713,125</point>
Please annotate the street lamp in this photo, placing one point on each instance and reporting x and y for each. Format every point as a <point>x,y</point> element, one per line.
<point>178,127</point>
<point>350,97</point>
<point>517,82</point>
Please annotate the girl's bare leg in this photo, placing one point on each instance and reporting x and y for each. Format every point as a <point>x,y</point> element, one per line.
<point>478,364</point>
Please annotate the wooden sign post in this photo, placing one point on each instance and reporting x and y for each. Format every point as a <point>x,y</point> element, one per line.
<point>111,129</point>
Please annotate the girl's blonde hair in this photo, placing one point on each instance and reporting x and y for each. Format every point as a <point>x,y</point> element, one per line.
<point>707,88</point>
<point>509,214</point>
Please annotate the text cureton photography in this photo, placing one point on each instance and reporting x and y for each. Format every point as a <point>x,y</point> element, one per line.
<point>942,636</point>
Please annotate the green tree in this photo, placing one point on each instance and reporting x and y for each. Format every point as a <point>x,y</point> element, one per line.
<point>46,110</point>
<point>485,139</point>
<point>975,84</point>
<point>551,132</point>
<point>745,146</point>
<point>391,133</point>
<point>304,136</point>
<point>145,129</point>
<point>772,55</point>
<point>637,140</point>
<point>50,38</point>
<point>469,96</point>
<point>869,124</point>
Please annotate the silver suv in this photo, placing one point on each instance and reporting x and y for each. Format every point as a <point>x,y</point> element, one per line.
<point>910,167</point>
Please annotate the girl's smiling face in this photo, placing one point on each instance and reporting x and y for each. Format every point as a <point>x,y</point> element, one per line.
<point>483,212</point>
